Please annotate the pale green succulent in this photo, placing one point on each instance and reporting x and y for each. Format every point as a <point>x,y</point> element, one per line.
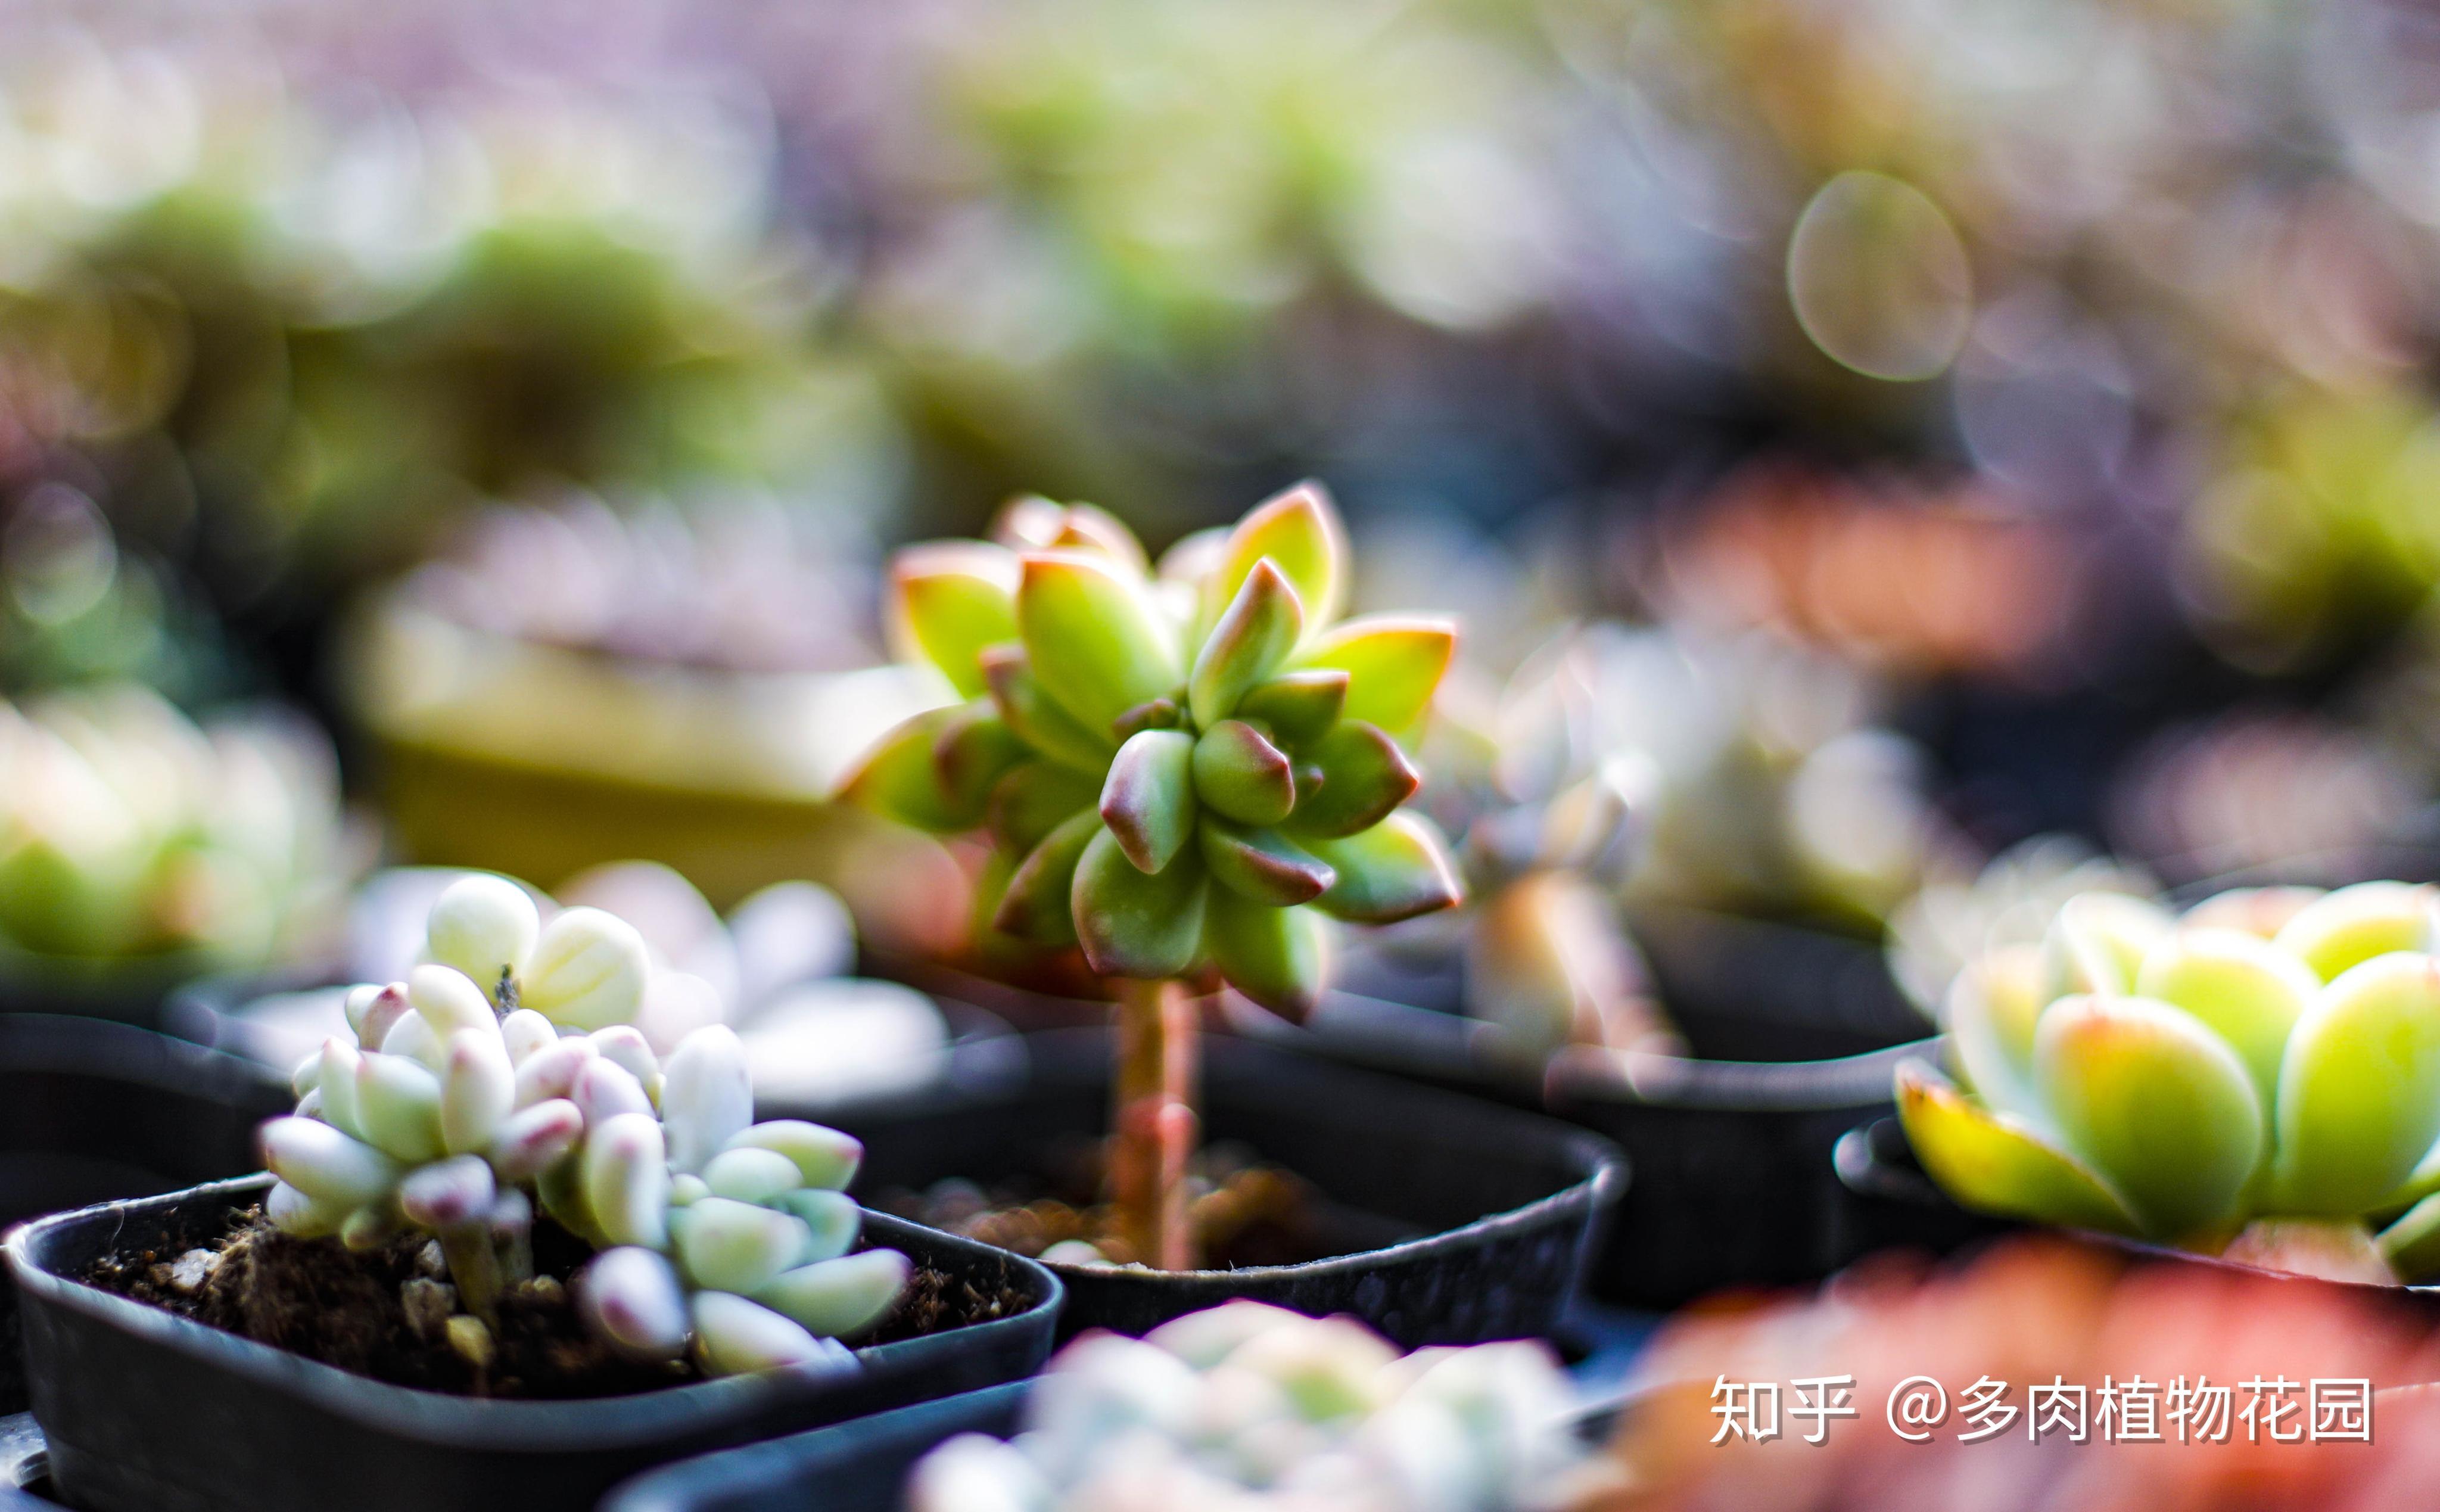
<point>2269,1055</point>
<point>1198,767</point>
<point>1249,1405</point>
<point>129,832</point>
<point>461,1109</point>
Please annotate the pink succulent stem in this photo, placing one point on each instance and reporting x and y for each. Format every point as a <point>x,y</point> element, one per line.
<point>1154,1123</point>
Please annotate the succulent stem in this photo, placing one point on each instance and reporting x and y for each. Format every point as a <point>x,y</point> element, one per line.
<point>474,1267</point>
<point>1154,1126</point>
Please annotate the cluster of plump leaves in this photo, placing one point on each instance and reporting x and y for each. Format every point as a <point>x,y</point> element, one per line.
<point>1193,765</point>
<point>1248,1405</point>
<point>506,1073</point>
<point>2272,1053</point>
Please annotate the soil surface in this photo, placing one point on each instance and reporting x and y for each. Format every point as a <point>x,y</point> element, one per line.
<point>1244,1212</point>
<point>384,1312</point>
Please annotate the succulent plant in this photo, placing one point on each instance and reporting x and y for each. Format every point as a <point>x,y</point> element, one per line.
<point>1248,1403</point>
<point>1194,768</point>
<point>128,833</point>
<point>2259,1075</point>
<point>505,1077</point>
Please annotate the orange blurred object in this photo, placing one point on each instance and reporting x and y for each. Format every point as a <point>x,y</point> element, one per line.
<point>1895,575</point>
<point>2040,1312</point>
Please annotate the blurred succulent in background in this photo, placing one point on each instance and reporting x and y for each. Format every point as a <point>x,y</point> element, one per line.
<point>504,1077</point>
<point>130,835</point>
<point>2314,535</point>
<point>776,970</point>
<point>315,322</point>
<point>1775,794</point>
<point>1248,1403</point>
<point>696,682</point>
<point>1193,770</point>
<point>1952,921</point>
<point>2260,1075</point>
<point>75,610</point>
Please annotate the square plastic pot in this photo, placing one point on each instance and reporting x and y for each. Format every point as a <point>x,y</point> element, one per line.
<point>92,1111</point>
<point>1733,1185</point>
<point>1486,1214</point>
<point>143,1411</point>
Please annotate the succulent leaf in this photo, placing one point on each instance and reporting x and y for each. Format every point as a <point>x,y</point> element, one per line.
<point>1254,634</point>
<point>732,1246</point>
<point>482,926</point>
<point>1093,637</point>
<point>2352,925</point>
<point>831,1217</point>
<point>2358,1101</point>
<point>1994,1162</point>
<point>734,1337</point>
<point>626,1180</point>
<point>749,1175</point>
<point>629,1296</point>
<point>837,1297</point>
<point>477,1090</point>
<point>587,970</point>
<point>329,1168</point>
<point>949,599</point>
<point>972,750</point>
<point>1148,800</point>
<point>398,1101</point>
<point>1037,903</point>
<point>825,1158</point>
<point>1365,776</point>
<point>707,1096</point>
<point>2098,942</point>
<point>1393,663</point>
<point>2156,1103</point>
<point>900,777</point>
<point>1278,958</point>
<point>1034,799</point>
<point>1992,1009</point>
<point>1239,773</point>
<point>1037,718</point>
<point>1132,925</point>
<point>450,1002</point>
<point>2243,988</point>
<point>1261,865</point>
<point>1298,532</point>
<point>1396,870</point>
<point>1296,706</point>
<point>532,1139</point>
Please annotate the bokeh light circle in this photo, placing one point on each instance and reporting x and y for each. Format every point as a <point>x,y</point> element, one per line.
<point>1879,278</point>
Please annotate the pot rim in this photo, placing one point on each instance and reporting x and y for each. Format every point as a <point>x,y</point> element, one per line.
<point>1601,1166</point>
<point>469,1422</point>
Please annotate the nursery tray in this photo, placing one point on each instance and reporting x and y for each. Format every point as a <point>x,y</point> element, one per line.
<point>146,1412</point>
<point>1486,1214</point>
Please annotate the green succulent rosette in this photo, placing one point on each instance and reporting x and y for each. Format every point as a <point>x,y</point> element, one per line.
<point>2264,1066</point>
<point>1189,767</point>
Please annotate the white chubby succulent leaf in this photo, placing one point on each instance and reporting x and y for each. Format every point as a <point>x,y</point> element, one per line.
<point>1247,1403</point>
<point>506,1077</point>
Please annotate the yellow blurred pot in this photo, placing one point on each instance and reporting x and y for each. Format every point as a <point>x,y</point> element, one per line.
<point>540,761</point>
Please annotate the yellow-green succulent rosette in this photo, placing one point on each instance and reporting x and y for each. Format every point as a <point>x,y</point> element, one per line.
<point>1192,765</point>
<point>2259,1072</point>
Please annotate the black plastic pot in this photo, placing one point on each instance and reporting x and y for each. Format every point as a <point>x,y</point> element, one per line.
<point>861,1466</point>
<point>1743,989</point>
<point>1733,1186</point>
<point>1475,1220</point>
<point>24,1468</point>
<point>142,1410</point>
<point>91,1110</point>
<point>1877,1162</point>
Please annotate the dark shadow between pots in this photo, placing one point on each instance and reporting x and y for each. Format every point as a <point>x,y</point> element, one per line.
<point>1485,1215</point>
<point>144,1411</point>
